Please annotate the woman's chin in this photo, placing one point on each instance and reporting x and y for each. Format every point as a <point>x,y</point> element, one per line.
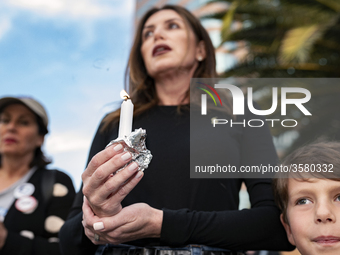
<point>162,69</point>
<point>174,71</point>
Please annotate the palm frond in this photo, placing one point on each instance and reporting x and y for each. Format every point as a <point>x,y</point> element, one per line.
<point>298,42</point>
<point>227,21</point>
<point>333,4</point>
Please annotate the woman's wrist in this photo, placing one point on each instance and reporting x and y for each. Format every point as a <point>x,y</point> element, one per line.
<point>156,223</point>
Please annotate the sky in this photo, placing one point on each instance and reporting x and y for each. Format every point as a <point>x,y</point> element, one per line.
<point>71,56</point>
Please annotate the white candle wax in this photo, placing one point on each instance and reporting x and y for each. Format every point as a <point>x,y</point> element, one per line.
<point>125,121</point>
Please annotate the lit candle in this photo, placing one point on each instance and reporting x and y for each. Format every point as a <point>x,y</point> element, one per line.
<point>126,114</point>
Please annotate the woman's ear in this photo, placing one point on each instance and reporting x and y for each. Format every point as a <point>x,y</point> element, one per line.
<point>200,51</point>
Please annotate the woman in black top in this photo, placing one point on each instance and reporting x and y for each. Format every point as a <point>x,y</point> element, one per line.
<point>34,201</point>
<point>170,48</point>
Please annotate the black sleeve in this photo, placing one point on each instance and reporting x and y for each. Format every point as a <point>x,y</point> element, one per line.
<point>47,243</point>
<point>73,240</point>
<point>258,228</point>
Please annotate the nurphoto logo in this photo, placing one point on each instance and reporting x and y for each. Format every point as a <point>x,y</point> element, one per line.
<point>239,102</point>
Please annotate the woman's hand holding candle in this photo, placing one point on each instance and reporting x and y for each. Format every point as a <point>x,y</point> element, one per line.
<point>103,186</point>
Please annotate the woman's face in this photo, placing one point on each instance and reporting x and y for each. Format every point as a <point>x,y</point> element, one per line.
<point>168,44</point>
<point>18,131</point>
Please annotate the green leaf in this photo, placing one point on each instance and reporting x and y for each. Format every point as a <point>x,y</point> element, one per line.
<point>227,21</point>
<point>298,42</point>
<point>333,4</point>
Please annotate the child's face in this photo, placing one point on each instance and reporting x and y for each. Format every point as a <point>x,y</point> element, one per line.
<point>313,214</point>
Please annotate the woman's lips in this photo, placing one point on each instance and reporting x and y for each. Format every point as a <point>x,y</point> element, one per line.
<point>10,140</point>
<point>327,240</point>
<point>160,49</point>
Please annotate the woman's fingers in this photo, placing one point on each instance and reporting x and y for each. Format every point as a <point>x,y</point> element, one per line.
<point>130,214</point>
<point>119,185</point>
<point>136,221</point>
<point>104,187</point>
<point>95,238</point>
<point>129,185</point>
<point>89,218</point>
<point>89,222</point>
<point>133,222</point>
<point>100,158</point>
<point>103,173</point>
<point>100,176</point>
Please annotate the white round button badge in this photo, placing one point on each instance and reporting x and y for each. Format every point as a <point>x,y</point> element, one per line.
<point>23,190</point>
<point>3,212</point>
<point>26,204</point>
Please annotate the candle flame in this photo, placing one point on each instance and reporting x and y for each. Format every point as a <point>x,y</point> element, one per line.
<point>124,94</point>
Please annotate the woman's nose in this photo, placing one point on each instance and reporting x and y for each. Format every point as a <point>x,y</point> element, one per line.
<point>158,34</point>
<point>324,213</point>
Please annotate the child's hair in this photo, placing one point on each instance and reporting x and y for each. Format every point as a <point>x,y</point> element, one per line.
<point>325,155</point>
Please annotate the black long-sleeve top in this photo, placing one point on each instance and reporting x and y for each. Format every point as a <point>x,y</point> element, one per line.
<point>196,211</point>
<point>36,233</point>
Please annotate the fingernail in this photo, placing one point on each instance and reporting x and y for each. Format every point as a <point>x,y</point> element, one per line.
<point>133,166</point>
<point>139,174</point>
<point>98,226</point>
<point>126,156</point>
<point>118,147</point>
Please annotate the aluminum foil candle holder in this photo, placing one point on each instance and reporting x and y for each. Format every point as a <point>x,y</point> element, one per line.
<point>135,144</point>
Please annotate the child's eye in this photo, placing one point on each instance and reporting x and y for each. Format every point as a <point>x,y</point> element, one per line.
<point>337,198</point>
<point>303,201</point>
